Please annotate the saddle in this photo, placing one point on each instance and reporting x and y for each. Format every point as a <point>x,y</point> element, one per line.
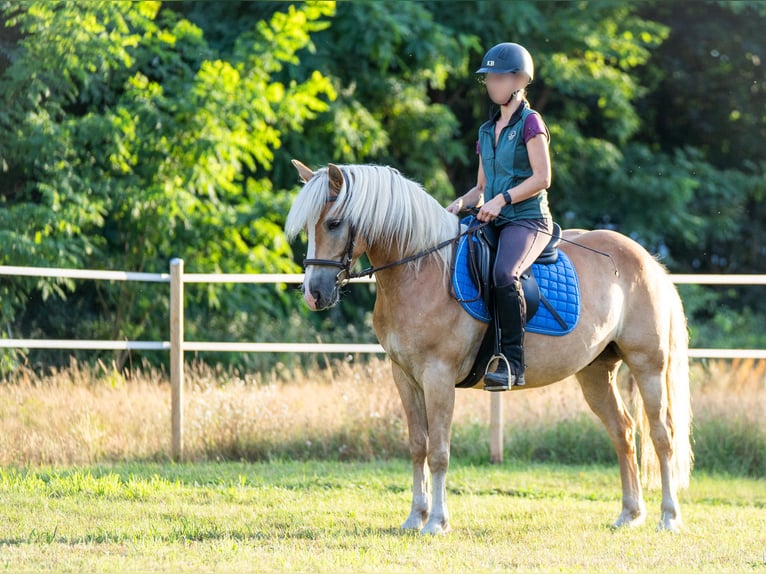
<point>482,248</point>
<point>481,257</point>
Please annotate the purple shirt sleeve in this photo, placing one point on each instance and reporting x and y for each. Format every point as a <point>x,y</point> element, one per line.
<point>534,125</point>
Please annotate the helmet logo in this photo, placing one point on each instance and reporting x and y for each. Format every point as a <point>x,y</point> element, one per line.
<point>490,62</point>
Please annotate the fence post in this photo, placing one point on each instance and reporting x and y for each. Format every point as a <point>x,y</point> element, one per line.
<point>176,357</point>
<point>496,428</point>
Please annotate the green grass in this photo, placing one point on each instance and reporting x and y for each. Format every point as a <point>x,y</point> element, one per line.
<point>344,517</point>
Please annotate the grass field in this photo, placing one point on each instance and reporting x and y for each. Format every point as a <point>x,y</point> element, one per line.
<point>344,517</point>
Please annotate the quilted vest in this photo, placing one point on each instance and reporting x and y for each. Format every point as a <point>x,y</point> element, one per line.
<point>507,165</point>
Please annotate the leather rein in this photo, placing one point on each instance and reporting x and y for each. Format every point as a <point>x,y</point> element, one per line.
<point>344,264</point>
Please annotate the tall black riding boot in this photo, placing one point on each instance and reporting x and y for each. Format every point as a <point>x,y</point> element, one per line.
<point>511,316</point>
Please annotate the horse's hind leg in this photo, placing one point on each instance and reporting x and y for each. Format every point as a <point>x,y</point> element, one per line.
<point>599,385</point>
<point>413,402</point>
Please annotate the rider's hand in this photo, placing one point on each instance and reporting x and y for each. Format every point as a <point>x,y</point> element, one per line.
<point>490,210</point>
<point>456,206</point>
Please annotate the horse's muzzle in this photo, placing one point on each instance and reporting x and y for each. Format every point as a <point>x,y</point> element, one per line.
<point>319,296</point>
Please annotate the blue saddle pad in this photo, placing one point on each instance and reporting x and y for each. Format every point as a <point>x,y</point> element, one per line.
<point>466,290</point>
<point>557,281</point>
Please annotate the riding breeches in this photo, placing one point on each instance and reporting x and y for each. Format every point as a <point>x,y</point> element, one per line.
<point>519,244</point>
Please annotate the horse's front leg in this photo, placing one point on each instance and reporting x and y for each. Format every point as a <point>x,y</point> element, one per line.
<point>439,393</point>
<point>414,408</point>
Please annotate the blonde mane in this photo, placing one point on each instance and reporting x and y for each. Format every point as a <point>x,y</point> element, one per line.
<point>383,206</point>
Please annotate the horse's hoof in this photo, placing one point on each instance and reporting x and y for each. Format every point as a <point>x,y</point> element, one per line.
<point>668,524</point>
<point>411,524</point>
<point>415,521</point>
<point>435,529</point>
<point>629,519</point>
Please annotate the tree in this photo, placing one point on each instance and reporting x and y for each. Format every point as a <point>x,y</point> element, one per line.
<point>127,141</point>
<point>705,117</point>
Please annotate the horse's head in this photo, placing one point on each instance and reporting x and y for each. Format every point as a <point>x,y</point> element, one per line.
<point>332,247</point>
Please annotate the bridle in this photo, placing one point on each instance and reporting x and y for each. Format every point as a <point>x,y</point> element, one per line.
<point>344,264</point>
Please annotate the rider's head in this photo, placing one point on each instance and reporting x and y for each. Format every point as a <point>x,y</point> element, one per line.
<point>506,68</point>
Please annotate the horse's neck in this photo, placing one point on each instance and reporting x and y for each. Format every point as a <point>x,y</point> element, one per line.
<point>402,285</point>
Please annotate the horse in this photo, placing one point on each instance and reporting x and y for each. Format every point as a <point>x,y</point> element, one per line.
<point>631,313</point>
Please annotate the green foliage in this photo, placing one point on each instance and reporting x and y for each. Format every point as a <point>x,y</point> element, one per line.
<point>129,142</point>
<point>731,445</point>
<point>391,62</point>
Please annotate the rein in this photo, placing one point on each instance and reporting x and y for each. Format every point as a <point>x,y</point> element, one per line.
<point>475,210</point>
<point>370,271</point>
<point>345,274</point>
<point>344,264</point>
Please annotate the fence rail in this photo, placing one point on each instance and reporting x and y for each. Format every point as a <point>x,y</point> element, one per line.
<point>345,348</point>
<point>177,345</point>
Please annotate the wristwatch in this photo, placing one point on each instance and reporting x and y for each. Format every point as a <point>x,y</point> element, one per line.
<point>507,197</point>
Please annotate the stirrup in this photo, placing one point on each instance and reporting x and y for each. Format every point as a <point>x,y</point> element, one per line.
<point>498,384</point>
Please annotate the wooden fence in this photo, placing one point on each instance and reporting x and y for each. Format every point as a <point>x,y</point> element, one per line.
<point>177,345</point>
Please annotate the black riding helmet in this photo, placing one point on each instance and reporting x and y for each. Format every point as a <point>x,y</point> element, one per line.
<point>507,58</point>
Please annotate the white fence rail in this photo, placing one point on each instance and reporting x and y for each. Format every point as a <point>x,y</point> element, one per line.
<point>177,345</point>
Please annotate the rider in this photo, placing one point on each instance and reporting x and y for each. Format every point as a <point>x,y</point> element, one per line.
<point>511,189</point>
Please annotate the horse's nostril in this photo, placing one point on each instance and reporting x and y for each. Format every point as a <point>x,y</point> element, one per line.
<point>317,297</point>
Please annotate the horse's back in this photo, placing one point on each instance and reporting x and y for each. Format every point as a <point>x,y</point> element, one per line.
<point>573,232</point>
<point>610,251</point>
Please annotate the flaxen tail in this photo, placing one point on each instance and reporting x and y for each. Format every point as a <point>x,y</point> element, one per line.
<point>679,413</point>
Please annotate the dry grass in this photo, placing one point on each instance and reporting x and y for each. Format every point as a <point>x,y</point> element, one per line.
<point>735,388</point>
<point>83,415</point>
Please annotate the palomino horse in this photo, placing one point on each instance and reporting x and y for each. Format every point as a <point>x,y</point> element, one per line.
<point>631,312</point>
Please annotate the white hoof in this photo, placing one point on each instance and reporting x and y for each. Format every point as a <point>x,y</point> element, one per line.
<point>415,521</point>
<point>630,519</point>
<point>669,524</point>
<point>411,524</point>
<point>436,527</point>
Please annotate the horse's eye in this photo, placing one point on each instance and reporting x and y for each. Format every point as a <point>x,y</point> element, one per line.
<point>334,224</point>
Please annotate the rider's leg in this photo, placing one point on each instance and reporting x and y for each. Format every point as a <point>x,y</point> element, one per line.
<point>519,244</point>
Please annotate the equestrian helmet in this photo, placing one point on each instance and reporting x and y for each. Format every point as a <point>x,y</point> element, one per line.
<point>507,58</point>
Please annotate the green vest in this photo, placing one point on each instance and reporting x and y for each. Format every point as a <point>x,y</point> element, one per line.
<point>508,165</point>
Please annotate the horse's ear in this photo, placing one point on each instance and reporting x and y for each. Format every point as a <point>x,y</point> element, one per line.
<point>336,178</point>
<point>303,171</point>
